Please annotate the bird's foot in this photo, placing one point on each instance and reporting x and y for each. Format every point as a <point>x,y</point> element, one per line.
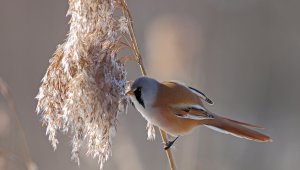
<point>170,143</point>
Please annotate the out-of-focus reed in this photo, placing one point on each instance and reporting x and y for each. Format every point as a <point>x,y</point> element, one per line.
<point>14,152</point>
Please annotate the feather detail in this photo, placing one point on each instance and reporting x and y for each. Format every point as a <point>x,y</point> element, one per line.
<point>193,112</point>
<point>193,117</point>
<point>237,129</point>
<point>202,95</point>
<point>243,123</point>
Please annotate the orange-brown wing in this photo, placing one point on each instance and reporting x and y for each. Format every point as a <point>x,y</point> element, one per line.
<point>182,101</point>
<point>172,93</point>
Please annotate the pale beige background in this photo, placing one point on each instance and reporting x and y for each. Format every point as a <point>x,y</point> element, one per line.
<point>243,53</point>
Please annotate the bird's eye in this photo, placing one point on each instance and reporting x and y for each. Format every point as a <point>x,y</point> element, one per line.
<point>139,89</point>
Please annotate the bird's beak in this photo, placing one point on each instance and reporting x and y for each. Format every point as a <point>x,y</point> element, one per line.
<point>130,93</point>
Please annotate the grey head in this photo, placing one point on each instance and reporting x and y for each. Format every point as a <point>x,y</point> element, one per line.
<point>145,89</point>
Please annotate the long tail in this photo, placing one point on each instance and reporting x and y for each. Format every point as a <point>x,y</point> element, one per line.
<point>236,128</point>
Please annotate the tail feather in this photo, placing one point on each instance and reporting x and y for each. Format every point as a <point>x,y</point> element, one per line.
<point>237,129</point>
<point>243,123</point>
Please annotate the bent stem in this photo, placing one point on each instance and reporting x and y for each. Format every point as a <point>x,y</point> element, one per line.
<point>135,48</point>
<point>139,60</point>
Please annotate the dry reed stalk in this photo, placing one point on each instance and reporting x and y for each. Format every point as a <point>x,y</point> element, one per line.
<point>5,92</point>
<point>150,127</point>
<point>83,90</point>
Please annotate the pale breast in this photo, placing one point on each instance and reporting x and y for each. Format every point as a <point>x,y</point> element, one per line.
<point>149,113</point>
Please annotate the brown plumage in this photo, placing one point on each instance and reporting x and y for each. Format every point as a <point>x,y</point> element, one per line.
<point>183,97</point>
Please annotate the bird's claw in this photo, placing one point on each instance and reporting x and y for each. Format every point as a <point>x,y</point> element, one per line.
<point>170,143</point>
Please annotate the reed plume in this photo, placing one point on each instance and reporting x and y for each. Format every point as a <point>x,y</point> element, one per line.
<point>83,90</point>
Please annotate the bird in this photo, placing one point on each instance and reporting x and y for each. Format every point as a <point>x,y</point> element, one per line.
<point>177,109</point>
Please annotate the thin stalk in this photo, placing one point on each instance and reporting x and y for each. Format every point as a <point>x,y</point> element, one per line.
<point>169,154</point>
<point>4,90</point>
<point>137,54</point>
<point>139,60</point>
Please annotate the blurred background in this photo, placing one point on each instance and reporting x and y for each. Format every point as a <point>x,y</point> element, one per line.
<point>244,54</point>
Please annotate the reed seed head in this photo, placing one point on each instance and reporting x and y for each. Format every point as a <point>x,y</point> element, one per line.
<point>83,90</point>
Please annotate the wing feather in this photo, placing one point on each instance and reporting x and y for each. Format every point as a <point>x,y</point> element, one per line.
<point>184,102</point>
<point>202,95</point>
<point>193,112</point>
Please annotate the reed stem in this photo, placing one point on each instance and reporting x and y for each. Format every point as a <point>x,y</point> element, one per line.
<point>139,60</point>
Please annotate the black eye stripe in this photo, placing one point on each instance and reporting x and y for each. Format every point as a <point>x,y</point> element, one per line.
<point>138,95</point>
